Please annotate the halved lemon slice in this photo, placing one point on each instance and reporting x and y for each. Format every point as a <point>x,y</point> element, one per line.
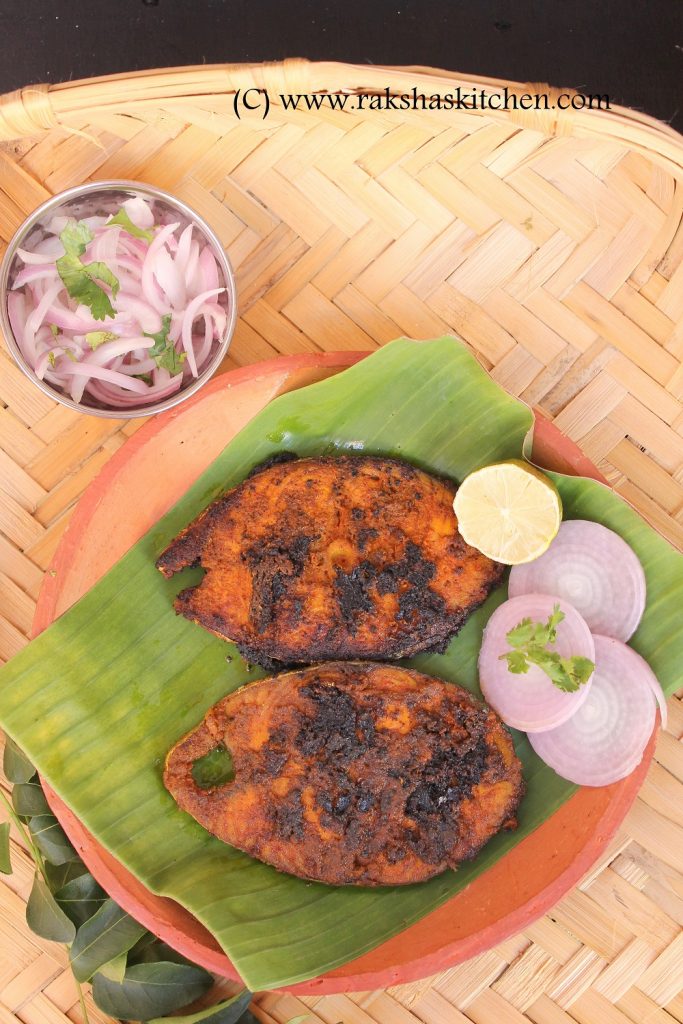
<point>509,511</point>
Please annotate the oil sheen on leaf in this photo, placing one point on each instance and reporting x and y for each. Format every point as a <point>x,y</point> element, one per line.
<point>214,768</point>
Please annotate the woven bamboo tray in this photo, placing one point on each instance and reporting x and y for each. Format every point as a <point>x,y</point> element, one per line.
<point>551,242</point>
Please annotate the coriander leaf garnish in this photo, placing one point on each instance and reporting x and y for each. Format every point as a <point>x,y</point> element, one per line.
<point>80,279</point>
<point>163,351</point>
<point>517,662</point>
<point>127,224</point>
<point>530,639</point>
<point>97,338</point>
<point>528,632</point>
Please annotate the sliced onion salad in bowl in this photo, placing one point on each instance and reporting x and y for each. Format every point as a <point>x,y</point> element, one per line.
<point>117,299</point>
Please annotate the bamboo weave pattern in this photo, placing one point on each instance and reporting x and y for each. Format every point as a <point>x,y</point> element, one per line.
<point>557,258</point>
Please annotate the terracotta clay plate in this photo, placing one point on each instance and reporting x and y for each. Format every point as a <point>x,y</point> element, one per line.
<point>148,475</point>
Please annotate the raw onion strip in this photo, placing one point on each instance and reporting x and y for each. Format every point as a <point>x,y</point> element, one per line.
<point>103,373</point>
<point>37,258</point>
<point>595,570</point>
<point>150,288</point>
<point>183,254</point>
<point>531,701</point>
<point>188,320</point>
<point>72,321</point>
<point>208,269</point>
<point>139,212</point>
<point>110,349</point>
<point>606,737</point>
<point>39,272</point>
<point>169,279</point>
<point>35,319</point>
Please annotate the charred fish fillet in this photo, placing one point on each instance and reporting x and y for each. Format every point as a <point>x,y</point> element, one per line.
<point>317,559</point>
<point>352,773</point>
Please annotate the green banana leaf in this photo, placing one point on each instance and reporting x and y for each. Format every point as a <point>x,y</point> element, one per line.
<point>99,697</point>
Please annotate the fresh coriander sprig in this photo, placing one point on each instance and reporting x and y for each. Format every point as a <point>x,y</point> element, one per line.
<point>127,224</point>
<point>163,351</point>
<point>80,279</point>
<point>96,338</point>
<point>530,640</point>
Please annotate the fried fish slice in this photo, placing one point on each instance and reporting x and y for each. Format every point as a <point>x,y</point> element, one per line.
<point>352,773</point>
<point>318,559</point>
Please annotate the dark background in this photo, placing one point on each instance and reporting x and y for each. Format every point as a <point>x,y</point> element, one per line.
<point>631,50</point>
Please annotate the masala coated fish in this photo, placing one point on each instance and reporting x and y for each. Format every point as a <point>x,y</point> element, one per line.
<point>324,558</point>
<point>351,773</point>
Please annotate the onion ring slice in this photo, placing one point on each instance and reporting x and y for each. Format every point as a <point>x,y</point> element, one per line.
<point>594,569</point>
<point>605,739</point>
<point>531,701</point>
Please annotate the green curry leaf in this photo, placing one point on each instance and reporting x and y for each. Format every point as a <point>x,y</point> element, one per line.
<point>150,990</point>
<point>45,917</point>
<point>230,1011</point>
<point>28,799</point>
<point>81,898</point>
<point>51,840</point>
<point>110,932</point>
<point>15,764</point>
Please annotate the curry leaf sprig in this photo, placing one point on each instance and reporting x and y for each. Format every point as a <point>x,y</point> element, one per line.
<point>530,641</point>
<point>134,975</point>
<point>80,279</point>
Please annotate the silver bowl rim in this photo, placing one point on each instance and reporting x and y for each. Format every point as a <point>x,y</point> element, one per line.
<point>113,184</point>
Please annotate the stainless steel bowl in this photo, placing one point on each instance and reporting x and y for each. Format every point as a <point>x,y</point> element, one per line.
<point>106,197</point>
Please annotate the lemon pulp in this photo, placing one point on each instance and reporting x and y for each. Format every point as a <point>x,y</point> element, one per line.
<point>509,511</point>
